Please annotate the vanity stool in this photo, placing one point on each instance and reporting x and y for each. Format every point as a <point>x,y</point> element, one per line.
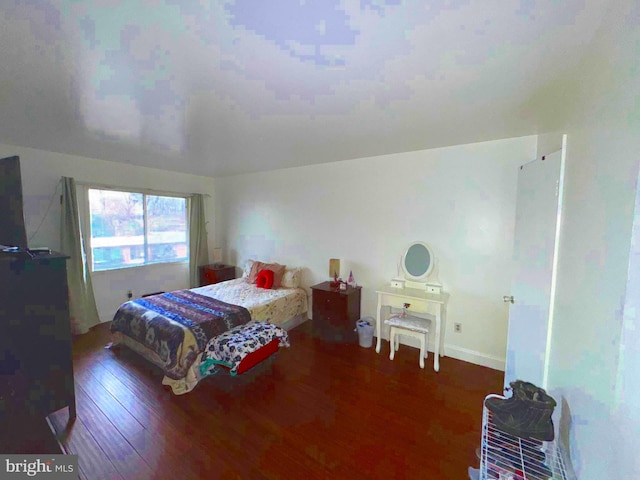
<point>416,327</point>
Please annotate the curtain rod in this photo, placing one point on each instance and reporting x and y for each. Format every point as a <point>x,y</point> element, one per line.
<point>138,190</point>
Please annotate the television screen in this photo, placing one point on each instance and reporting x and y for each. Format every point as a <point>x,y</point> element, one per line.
<point>12,227</point>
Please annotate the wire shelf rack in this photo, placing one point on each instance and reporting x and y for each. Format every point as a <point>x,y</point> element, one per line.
<point>507,457</point>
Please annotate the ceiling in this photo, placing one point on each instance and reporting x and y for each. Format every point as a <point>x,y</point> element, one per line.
<point>229,87</point>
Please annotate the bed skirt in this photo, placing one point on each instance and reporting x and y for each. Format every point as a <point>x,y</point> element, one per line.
<point>190,380</point>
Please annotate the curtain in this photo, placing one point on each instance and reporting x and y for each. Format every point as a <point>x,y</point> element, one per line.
<point>82,303</point>
<point>198,249</point>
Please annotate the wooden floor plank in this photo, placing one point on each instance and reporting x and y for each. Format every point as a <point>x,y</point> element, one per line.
<point>113,410</point>
<point>110,436</point>
<point>315,410</point>
<point>176,445</point>
<point>78,440</point>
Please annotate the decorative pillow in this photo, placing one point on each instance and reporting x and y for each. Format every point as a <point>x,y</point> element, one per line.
<point>255,268</point>
<point>247,268</point>
<point>278,272</point>
<point>264,278</point>
<point>291,278</point>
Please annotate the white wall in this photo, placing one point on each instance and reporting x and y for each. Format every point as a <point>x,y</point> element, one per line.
<point>600,111</point>
<point>460,200</point>
<point>41,172</point>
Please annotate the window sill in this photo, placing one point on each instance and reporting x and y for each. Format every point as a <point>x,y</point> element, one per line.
<point>142,266</point>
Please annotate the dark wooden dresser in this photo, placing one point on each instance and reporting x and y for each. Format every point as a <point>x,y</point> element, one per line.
<point>36,368</point>
<point>335,312</point>
<point>216,273</point>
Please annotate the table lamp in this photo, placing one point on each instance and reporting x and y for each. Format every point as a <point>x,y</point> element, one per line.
<point>334,270</point>
<point>217,256</point>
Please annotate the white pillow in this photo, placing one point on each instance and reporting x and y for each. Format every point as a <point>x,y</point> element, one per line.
<point>247,268</point>
<point>291,278</point>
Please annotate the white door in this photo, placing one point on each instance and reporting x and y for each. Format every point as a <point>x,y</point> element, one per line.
<point>535,251</point>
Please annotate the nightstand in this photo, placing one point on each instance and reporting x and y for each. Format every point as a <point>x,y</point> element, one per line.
<point>335,312</point>
<point>216,272</point>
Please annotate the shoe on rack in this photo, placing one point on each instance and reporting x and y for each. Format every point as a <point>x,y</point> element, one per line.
<point>499,438</point>
<point>526,414</point>
<point>511,453</point>
<point>533,453</point>
<point>536,470</point>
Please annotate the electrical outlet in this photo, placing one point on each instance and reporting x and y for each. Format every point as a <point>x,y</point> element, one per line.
<point>457,327</point>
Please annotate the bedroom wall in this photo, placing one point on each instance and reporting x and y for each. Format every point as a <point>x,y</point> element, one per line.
<point>41,172</point>
<point>461,200</point>
<point>594,361</point>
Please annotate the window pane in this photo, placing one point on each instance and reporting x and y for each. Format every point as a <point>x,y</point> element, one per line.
<point>117,229</point>
<point>166,229</point>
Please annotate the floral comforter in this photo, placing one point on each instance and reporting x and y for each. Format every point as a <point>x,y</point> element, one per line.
<point>177,325</point>
<point>264,305</point>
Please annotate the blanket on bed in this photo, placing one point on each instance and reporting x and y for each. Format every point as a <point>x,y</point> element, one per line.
<point>232,347</point>
<point>177,325</point>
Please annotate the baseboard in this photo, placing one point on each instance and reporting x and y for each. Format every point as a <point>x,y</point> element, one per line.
<point>473,356</point>
<point>459,353</point>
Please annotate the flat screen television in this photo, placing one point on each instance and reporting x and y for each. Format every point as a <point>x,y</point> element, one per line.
<point>12,227</point>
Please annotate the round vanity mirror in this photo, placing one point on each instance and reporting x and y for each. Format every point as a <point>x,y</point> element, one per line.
<point>417,261</point>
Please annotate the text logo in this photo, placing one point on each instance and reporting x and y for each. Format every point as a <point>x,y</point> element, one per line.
<point>50,467</point>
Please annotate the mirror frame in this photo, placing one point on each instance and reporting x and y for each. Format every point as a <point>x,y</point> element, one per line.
<point>429,268</point>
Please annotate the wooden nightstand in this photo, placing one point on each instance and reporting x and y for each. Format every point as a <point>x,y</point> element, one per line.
<point>215,273</point>
<point>335,312</point>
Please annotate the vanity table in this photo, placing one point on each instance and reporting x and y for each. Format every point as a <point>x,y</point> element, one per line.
<point>417,288</point>
<point>421,302</point>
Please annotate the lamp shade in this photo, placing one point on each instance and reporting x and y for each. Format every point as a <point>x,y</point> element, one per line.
<point>334,267</point>
<point>217,255</point>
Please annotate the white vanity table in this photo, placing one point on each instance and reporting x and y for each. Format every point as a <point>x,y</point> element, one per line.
<point>421,302</point>
<point>414,289</point>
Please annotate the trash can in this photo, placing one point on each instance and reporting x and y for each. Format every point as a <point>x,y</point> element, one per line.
<point>364,326</point>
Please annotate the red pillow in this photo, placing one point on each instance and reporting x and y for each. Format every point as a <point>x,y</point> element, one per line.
<point>264,278</point>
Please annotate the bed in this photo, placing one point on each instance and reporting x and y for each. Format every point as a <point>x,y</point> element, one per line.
<point>172,329</point>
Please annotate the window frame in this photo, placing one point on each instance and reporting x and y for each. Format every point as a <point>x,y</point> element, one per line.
<point>88,236</point>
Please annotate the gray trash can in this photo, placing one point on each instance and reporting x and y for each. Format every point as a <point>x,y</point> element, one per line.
<point>364,327</point>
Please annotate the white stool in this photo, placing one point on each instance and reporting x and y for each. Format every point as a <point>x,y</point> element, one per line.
<point>412,327</point>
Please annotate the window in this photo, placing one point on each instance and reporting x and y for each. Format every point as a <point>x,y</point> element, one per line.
<point>129,229</point>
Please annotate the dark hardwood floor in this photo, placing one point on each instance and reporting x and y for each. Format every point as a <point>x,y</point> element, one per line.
<point>316,410</point>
